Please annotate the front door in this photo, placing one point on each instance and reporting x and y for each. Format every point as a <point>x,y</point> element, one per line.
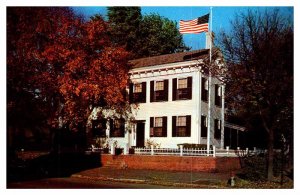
<point>140,134</point>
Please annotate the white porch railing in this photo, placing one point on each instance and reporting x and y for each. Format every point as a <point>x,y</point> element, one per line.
<point>175,151</point>
<point>187,151</point>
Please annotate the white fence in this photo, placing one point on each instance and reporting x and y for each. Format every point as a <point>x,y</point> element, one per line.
<point>175,151</point>
<point>187,151</point>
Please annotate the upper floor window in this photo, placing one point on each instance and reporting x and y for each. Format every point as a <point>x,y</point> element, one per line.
<point>159,85</point>
<point>158,126</point>
<point>217,133</point>
<point>159,90</point>
<point>117,128</point>
<point>182,83</point>
<point>204,89</point>
<point>181,126</point>
<point>218,95</point>
<point>137,92</point>
<point>137,88</point>
<point>182,88</point>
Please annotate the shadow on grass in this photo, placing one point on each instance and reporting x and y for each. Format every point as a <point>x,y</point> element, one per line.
<point>51,165</point>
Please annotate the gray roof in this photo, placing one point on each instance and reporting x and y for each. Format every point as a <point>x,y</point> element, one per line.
<point>170,58</point>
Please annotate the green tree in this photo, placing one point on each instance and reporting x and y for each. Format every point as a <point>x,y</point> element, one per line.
<point>144,36</point>
<point>159,35</point>
<point>259,55</point>
<point>124,23</point>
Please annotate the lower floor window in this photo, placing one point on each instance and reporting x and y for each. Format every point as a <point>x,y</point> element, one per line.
<point>217,129</point>
<point>158,126</point>
<point>204,126</point>
<point>181,126</point>
<point>99,128</point>
<point>117,128</point>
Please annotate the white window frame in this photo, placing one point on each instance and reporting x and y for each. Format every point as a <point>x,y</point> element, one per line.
<point>206,84</point>
<point>219,90</point>
<point>186,78</point>
<point>134,87</point>
<point>155,84</point>
<point>155,118</point>
<point>177,121</point>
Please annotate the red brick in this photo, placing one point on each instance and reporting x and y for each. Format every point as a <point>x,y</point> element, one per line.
<point>174,163</point>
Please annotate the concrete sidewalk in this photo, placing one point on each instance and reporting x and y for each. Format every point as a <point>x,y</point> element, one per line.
<point>167,178</point>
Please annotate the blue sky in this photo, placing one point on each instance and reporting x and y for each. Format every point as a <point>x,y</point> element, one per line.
<point>221,17</point>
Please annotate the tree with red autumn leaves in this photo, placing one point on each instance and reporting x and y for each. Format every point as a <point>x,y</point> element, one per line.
<point>60,67</point>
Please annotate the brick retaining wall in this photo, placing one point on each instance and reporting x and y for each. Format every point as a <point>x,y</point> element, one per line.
<point>172,163</point>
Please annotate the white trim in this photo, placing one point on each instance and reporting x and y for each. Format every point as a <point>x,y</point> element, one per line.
<point>170,66</point>
<point>182,79</point>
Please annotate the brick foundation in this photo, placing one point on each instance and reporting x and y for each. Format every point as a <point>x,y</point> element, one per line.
<point>172,163</point>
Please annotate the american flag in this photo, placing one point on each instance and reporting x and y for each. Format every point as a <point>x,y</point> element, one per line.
<point>197,25</point>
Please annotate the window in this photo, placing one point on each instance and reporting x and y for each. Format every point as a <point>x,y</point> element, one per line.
<point>217,133</point>
<point>181,126</point>
<point>158,126</point>
<point>158,121</point>
<point>204,124</point>
<point>137,88</point>
<point>182,88</point>
<point>159,91</point>
<point>137,92</point>
<point>181,121</point>
<point>99,128</point>
<point>218,95</point>
<point>182,83</point>
<point>159,85</point>
<point>204,89</point>
<point>117,127</point>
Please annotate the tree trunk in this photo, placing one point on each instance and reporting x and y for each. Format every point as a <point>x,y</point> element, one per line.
<point>270,155</point>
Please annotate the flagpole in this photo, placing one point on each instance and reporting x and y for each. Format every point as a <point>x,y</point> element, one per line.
<point>209,88</point>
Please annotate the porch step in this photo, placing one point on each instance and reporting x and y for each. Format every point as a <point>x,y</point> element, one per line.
<point>115,163</point>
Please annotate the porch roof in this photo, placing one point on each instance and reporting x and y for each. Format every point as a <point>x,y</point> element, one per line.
<point>234,126</point>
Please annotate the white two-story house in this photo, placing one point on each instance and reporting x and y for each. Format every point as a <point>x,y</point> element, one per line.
<point>169,96</point>
<point>170,99</point>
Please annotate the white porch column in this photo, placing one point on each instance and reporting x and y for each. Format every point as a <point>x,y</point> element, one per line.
<point>112,149</point>
<point>209,114</point>
<point>223,116</point>
<point>147,91</point>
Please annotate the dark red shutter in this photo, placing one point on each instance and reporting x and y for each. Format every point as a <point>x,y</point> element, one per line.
<point>103,129</point>
<point>203,128</point>
<point>173,126</point>
<point>188,125</point>
<point>111,127</point>
<point>152,91</point>
<point>151,121</point>
<point>189,84</point>
<point>131,93</point>
<point>174,89</point>
<point>165,126</point>
<point>204,93</point>
<point>143,99</point>
<point>166,90</point>
<point>151,126</point>
<point>216,94</point>
<point>122,127</point>
<point>216,128</point>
